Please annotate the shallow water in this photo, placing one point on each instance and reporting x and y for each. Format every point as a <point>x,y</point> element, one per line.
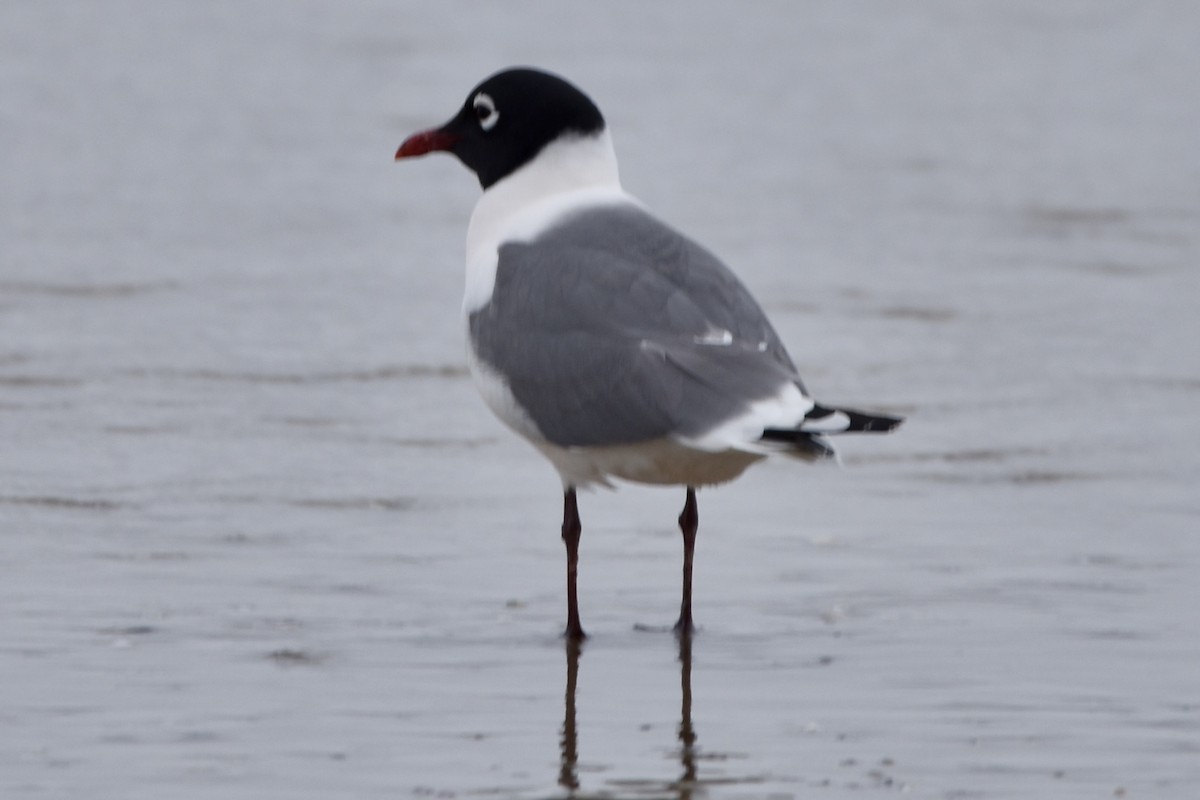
<point>261,539</point>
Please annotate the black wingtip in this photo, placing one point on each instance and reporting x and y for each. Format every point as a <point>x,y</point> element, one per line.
<point>822,420</point>
<point>847,420</point>
<point>871,423</point>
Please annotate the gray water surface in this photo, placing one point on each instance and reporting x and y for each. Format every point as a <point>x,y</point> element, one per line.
<point>261,539</point>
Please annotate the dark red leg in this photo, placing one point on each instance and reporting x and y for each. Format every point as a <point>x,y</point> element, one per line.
<point>570,534</point>
<point>689,520</point>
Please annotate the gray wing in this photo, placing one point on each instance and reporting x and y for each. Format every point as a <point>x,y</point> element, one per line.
<point>612,328</point>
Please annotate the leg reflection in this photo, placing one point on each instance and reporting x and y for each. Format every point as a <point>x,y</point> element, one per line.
<point>687,733</point>
<point>568,772</point>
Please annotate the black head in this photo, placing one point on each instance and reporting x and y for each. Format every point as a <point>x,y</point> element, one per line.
<point>507,120</point>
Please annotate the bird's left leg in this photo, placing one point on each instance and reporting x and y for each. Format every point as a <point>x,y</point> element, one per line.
<point>689,521</point>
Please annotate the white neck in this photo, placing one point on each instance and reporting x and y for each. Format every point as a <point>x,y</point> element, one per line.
<point>572,171</point>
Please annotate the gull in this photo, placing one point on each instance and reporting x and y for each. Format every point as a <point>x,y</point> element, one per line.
<point>616,345</point>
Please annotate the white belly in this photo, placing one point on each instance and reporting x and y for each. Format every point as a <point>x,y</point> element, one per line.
<point>663,462</point>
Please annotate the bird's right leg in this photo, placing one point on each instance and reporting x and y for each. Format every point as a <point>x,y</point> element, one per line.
<point>571,529</point>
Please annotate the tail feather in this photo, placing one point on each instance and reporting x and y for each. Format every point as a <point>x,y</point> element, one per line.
<point>808,437</point>
<point>800,444</point>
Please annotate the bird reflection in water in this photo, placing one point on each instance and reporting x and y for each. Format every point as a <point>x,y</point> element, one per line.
<point>568,774</point>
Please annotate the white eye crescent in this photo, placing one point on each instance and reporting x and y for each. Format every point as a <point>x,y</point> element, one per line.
<point>485,111</point>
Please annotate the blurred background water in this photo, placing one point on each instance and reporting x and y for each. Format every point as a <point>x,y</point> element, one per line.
<point>260,538</point>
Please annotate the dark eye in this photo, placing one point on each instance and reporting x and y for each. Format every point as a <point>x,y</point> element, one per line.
<point>485,111</point>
